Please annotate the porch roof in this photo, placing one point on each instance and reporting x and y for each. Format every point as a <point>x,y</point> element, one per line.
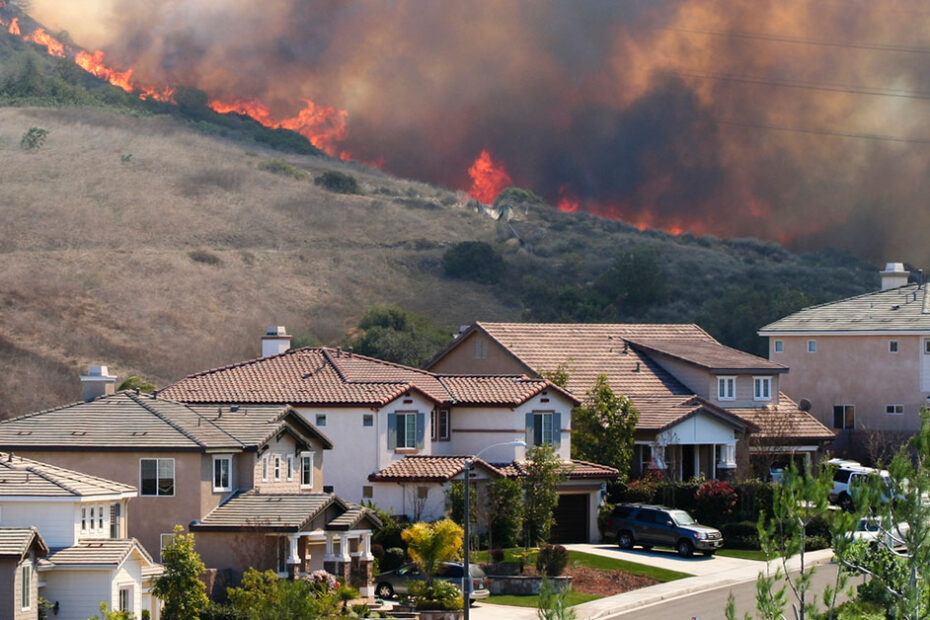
<point>785,424</point>
<point>280,512</point>
<point>659,413</point>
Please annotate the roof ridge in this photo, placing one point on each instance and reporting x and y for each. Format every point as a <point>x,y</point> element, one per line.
<point>171,423</point>
<point>65,406</point>
<point>242,363</point>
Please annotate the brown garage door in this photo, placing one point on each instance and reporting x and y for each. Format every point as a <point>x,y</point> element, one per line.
<point>571,519</point>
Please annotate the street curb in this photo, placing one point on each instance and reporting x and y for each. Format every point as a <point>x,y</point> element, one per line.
<point>636,600</point>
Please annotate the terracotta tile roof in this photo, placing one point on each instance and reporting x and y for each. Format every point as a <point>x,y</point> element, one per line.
<point>590,349</point>
<point>658,413</point>
<point>15,541</point>
<point>128,421</point>
<point>429,468</point>
<point>25,477</point>
<point>283,512</point>
<point>710,355</point>
<point>785,424</point>
<point>323,376</point>
<point>573,470</point>
<point>906,308</point>
<point>99,552</point>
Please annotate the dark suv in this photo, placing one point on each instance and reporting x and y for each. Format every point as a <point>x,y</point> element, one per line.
<point>660,526</point>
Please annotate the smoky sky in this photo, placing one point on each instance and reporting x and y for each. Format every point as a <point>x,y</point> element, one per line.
<point>803,122</point>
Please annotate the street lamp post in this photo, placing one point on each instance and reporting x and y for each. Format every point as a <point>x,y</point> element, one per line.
<point>466,575</point>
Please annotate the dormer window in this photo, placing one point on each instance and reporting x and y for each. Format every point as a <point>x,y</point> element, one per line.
<point>762,388</point>
<point>726,388</point>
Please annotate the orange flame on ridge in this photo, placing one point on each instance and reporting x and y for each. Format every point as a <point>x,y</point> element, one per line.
<point>488,178</point>
<point>53,45</point>
<point>93,64</point>
<point>14,26</point>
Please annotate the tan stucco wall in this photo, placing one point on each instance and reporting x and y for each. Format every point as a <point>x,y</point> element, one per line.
<point>462,359</point>
<point>855,370</point>
<point>704,383</point>
<point>148,516</point>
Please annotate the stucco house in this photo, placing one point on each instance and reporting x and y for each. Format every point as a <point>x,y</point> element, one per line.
<point>705,409</point>
<point>247,480</point>
<point>384,417</point>
<point>81,554</point>
<point>862,363</point>
<point>21,550</point>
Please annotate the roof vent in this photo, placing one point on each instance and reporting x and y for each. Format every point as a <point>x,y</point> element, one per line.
<point>894,276</point>
<point>275,341</point>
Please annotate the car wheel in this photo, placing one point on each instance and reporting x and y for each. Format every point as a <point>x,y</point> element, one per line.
<point>384,590</point>
<point>625,540</point>
<point>685,548</point>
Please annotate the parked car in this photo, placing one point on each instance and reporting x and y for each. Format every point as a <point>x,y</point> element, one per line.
<point>398,581</point>
<point>650,525</point>
<point>873,530</point>
<point>848,476</point>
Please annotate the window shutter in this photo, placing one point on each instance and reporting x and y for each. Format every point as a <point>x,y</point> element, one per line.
<point>529,430</point>
<point>557,429</point>
<point>421,430</point>
<point>392,431</point>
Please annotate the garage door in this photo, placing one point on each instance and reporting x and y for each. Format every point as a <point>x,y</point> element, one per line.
<point>571,519</point>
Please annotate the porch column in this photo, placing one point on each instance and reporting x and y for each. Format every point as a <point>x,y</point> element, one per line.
<point>713,461</point>
<point>293,558</point>
<point>344,548</point>
<point>366,547</point>
<point>697,460</point>
<point>329,556</point>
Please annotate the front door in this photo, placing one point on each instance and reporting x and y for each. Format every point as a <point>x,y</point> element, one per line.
<point>687,462</point>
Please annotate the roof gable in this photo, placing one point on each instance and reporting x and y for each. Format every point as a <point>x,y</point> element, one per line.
<point>17,541</point>
<point>709,355</point>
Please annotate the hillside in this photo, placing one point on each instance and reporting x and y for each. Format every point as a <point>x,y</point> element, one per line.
<point>155,240</point>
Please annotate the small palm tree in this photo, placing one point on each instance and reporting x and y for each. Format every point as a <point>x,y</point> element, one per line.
<point>429,544</point>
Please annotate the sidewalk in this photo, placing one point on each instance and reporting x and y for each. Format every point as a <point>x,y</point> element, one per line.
<point>712,575</point>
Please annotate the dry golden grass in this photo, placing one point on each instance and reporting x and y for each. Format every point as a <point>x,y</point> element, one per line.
<point>96,251</point>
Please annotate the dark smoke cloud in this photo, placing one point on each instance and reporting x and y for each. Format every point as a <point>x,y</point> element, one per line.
<point>597,100</point>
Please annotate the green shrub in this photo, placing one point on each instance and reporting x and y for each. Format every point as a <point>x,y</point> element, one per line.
<point>282,168</point>
<point>740,535</point>
<point>474,260</point>
<point>753,497</point>
<point>338,182</point>
<point>497,555</point>
<point>714,502</point>
<point>442,595</point>
<point>677,493</point>
<point>393,558</point>
<point>218,611</point>
<point>33,139</point>
<point>505,511</point>
<point>552,560</point>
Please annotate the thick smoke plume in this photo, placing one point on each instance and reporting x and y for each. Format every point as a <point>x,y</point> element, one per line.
<point>798,121</point>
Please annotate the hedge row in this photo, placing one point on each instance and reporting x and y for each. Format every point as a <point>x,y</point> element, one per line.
<point>753,496</point>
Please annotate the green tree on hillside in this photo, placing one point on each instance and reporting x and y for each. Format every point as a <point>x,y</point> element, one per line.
<point>474,260</point>
<point>396,335</point>
<point>633,282</point>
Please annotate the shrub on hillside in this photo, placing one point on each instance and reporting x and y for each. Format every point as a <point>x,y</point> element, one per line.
<point>474,260</point>
<point>338,182</point>
<point>282,168</point>
<point>33,139</point>
<point>552,560</point>
<point>714,502</point>
<point>205,256</point>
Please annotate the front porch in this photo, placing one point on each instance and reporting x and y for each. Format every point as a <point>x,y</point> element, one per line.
<point>713,461</point>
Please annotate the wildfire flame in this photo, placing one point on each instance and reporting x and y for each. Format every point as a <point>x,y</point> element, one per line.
<point>14,26</point>
<point>54,47</point>
<point>488,178</point>
<point>93,64</point>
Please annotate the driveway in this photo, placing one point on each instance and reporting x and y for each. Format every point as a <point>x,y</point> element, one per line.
<point>697,565</point>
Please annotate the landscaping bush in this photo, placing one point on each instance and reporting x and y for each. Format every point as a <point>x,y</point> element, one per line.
<point>637,492</point>
<point>393,558</point>
<point>442,595</point>
<point>552,560</point>
<point>753,497</point>
<point>217,611</point>
<point>677,494</point>
<point>714,502</point>
<point>497,555</point>
<point>740,535</point>
<point>505,511</point>
<point>377,551</point>
<point>473,260</point>
<point>338,182</point>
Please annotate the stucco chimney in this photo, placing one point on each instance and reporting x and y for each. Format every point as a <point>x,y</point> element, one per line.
<point>276,340</point>
<point>96,383</point>
<point>894,276</point>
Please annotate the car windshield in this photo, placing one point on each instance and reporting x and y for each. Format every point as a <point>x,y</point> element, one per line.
<point>476,571</point>
<point>680,517</point>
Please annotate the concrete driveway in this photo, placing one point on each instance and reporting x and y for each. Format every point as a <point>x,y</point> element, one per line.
<point>666,558</point>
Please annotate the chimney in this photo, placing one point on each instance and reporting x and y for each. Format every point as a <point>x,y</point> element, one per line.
<point>276,340</point>
<point>894,276</point>
<point>97,383</point>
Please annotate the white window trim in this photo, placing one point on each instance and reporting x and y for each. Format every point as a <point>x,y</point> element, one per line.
<point>84,519</point>
<point>811,346</point>
<point>276,467</point>
<point>407,439</point>
<point>174,476</point>
<point>894,412</point>
<point>129,599</point>
<point>100,520</point>
<point>304,455</point>
<point>765,380</point>
<point>844,406</point>
<point>289,463</point>
<point>265,468</point>
<point>542,427</point>
<point>895,348</point>
<point>228,459</point>
<point>721,380</point>
<point>26,569</point>
<point>778,349</point>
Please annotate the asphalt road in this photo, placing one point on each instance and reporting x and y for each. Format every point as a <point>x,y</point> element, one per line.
<point>710,605</point>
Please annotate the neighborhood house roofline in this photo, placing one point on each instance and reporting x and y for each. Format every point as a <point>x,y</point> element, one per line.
<point>476,327</point>
<point>709,356</point>
<point>291,419</point>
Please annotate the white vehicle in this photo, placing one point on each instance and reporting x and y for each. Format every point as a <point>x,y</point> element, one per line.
<point>875,531</point>
<point>849,475</point>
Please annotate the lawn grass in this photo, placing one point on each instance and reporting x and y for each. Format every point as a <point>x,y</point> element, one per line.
<point>532,600</point>
<point>742,554</point>
<point>598,562</point>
